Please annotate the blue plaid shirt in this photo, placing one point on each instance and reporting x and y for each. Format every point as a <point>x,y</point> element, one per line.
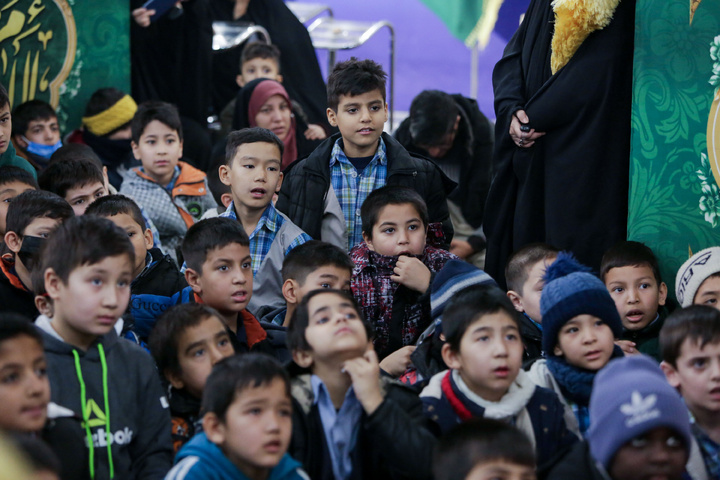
<point>264,234</point>
<point>710,450</point>
<point>352,188</point>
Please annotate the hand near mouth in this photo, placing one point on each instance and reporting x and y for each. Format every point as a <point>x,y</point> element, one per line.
<point>412,273</point>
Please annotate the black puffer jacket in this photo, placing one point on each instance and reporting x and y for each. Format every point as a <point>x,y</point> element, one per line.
<point>393,442</point>
<point>307,181</point>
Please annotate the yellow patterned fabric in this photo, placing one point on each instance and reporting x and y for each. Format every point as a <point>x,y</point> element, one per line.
<point>116,116</point>
<point>574,21</point>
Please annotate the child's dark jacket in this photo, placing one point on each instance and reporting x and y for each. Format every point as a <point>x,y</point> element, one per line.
<point>160,279</point>
<point>398,314</point>
<point>393,442</point>
<point>138,410</point>
<point>186,419</point>
<point>647,339</point>
<point>201,459</point>
<point>304,190</point>
<point>14,296</point>
<point>532,339</point>
<point>447,406</point>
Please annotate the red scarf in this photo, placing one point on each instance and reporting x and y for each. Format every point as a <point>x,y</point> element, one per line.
<point>457,405</point>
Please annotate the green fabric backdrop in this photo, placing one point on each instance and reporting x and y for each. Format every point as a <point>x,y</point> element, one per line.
<point>61,51</point>
<point>674,203</point>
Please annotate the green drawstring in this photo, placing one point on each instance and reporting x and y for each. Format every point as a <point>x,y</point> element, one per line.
<point>107,408</point>
<point>85,414</point>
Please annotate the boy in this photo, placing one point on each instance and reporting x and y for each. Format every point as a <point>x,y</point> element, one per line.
<point>393,271</point>
<point>631,274</point>
<point>79,181</point>
<point>31,218</point>
<point>8,156</point>
<point>310,266</point>
<point>154,273</point>
<point>87,270</point>
<point>25,396</point>
<point>580,324</point>
<point>698,279</point>
<point>219,274</point>
<point>252,170</point>
<point>483,350</point>
<point>484,449</point>
<point>323,193</point>
<point>186,342</point>
<point>173,193</point>
<point>13,182</point>
<point>106,129</point>
<point>348,422</point>
<point>639,427</point>
<point>524,276</point>
<point>690,346</point>
<point>262,60</point>
<point>247,426</point>
<point>35,133</point>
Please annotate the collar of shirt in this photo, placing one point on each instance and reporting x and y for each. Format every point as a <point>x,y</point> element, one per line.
<point>340,426</point>
<point>338,154</point>
<point>710,450</point>
<point>268,220</point>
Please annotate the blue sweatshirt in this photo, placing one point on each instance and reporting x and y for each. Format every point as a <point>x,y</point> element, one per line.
<point>200,459</point>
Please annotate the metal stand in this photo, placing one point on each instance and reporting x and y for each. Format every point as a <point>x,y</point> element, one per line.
<point>333,35</point>
<point>227,35</point>
<point>307,11</point>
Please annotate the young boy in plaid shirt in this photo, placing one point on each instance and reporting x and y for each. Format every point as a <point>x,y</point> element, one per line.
<point>323,193</point>
<point>252,170</point>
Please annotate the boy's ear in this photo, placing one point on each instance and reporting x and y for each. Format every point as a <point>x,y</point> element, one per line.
<point>224,174</point>
<point>214,428</point>
<point>450,357</point>
<point>13,241</point>
<point>239,80</point>
<point>290,291</point>
<point>671,374</point>
<point>53,283</point>
<point>181,148</point>
<point>303,358</point>
<point>193,279</point>
<point>279,78</point>
<point>368,241</point>
<point>135,150</point>
<point>332,117</point>
<point>149,240</point>
<point>386,111</point>
<point>174,379</point>
<point>662,293</point>
<point>557,351</point>
<point>516,300</point>
<point>43,305</point>
<point>18,140</point>
<point>226,199</point>
<point>279,183</point>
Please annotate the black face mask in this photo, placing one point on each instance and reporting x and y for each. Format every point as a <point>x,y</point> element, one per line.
<point>29,250</point>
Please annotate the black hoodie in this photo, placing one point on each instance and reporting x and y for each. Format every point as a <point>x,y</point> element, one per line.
<point>130,400</point>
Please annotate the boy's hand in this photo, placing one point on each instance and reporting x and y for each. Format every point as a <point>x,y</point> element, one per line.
<point>142,16</point>
<point>365,375</point>
<point>315,132</point>
<point>627,347</point>
<point>412,273</point>
<point>397,362</point>
<point>461,248</point>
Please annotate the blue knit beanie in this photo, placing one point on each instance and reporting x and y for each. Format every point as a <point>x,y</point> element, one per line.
<point>571,290</point>
<point>630,397</point>
<point>456,275</point>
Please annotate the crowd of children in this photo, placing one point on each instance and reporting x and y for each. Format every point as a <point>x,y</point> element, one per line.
<point>304,318</point>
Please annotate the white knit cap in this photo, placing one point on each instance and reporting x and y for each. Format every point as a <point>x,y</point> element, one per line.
<point>694,272</point>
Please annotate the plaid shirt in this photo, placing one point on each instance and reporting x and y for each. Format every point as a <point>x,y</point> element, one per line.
<point>352,188</point>
<point>710,450</point>
<point>264,234</point>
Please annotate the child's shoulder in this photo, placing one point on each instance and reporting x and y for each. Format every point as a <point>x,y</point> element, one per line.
<point>189,174</point>
<point>436,258</point>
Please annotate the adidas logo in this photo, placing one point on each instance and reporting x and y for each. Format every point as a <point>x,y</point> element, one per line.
<point>639,409</point>
<point>96,418</point>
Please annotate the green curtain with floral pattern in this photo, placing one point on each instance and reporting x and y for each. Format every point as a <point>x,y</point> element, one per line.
<point>674,199</point>
<point>61,51</point>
